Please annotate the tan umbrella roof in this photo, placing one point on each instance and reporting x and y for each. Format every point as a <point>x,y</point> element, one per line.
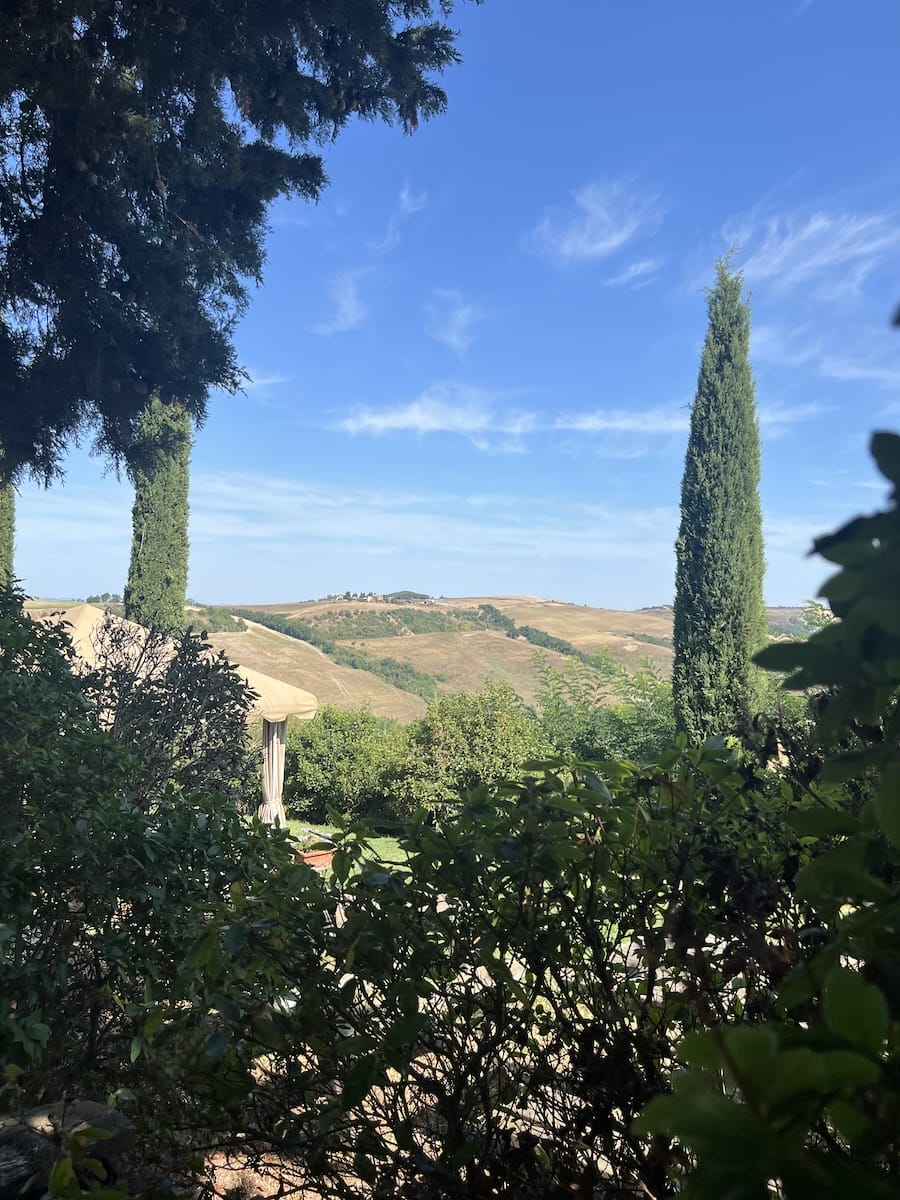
<point>275,700</point>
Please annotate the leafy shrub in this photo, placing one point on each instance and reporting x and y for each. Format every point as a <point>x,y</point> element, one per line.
<point>601,710</point>
<point>101,898</point>
<point>806,1106</point>
<point>491,1016</point>
<point>463,740</point>
<point>177,705</point>
<point>337,761</point>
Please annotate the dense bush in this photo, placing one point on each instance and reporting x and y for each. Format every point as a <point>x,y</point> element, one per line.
<point>177,705</point>
<point>603,711</point>
<point>490,1017</point>
<point>101,897</point>
<point>463,740</point>
<point>337,761</point>
<point>369,622</point>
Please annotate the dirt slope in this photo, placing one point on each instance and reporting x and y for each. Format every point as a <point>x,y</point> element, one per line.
<point>305,666</point>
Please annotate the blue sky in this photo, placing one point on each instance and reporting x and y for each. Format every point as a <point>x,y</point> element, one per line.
<point>472,362</point>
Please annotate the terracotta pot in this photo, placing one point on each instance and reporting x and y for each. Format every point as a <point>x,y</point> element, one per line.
<point>319,860</point>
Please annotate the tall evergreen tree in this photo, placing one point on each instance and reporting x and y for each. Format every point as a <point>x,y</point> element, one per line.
<point>720,618</point>
<point>157,575</point>
<point>141,145</point>
<point>7,532</point>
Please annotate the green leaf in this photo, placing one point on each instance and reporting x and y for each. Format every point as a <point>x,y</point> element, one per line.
<point>358,1082</point>
<point>839,876</point>
<point>61,1177</point>
<point>821,822</point>
<point>844,1068</point>
<point>700,1050</point>
<point>887,803</point>
<point>268,1034</point>
<point>855,1010</point>
<point>848,1120</point>
<point>216,1045</point>
<point>153,1023</point>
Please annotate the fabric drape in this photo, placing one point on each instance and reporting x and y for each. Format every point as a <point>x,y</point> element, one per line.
<point>271,811</point>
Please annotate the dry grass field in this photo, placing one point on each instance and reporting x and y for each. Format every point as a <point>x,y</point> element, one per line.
<point>465,661</point>
<point>306,667</point>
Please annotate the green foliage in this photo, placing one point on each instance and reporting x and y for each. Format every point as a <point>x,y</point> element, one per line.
<point>215,620</point>
<point>337,762</point>
<point>817,615</point>
<point>157,573</point>
<point>177,706</point>
<point>140,151</point>
<point>489,1015</point>
<point>402,675</point>
<point>104,598</point>
<point>51,748</point>
<point>651,639</point>
<point>720,619</point>
<point>809,1103</point>
<point>603,711</point>
<point>345,624</point>
<point>405,596</point>
<point>463,741</point>
<point>7,533</point>
<point>100,900</point>
<point>547,641</point>
<point>491,617</point>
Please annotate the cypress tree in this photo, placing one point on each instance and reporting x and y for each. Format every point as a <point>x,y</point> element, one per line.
<point>157,574</point>
<point>7,532</point>
<point>720,617</point>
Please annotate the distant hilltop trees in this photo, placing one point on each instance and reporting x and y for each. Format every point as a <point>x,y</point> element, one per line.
<point>405,597</point>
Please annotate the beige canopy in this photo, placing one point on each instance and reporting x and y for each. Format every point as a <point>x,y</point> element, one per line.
<point>275,701</point>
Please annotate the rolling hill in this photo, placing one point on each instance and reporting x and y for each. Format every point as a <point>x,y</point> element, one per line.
<point>460,654</point>
<point>449,642</point>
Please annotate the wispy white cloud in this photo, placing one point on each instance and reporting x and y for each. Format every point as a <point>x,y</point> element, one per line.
<point>447,408</point>
<point>477,414</point>
<point>367,521</point>
<point>451,319</point>
<point>637,274</point>
<point>832,253</point>
<point>349,309</point>
<point>784,347</point>
<point>604,218</point>
<point>775,419</point>
<point>411,202</point>
<point>860,370</point>
<point>408,203</point>
<point>258,381</point>
<point>651,421</point>
<point>862,361</point>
